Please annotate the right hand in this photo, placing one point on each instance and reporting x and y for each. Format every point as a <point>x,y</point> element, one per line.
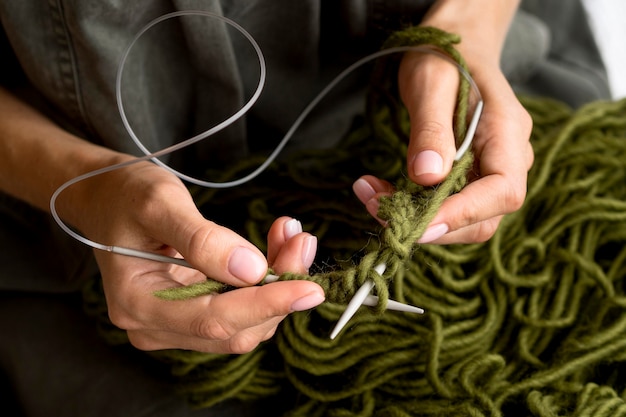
<point>147,208</point>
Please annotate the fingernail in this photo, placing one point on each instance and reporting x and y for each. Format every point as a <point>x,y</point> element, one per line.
<point>363,190</point>
<point>308,302</point>
<point>427,162</point>
<point>247,265</point>
<point>433,233</point>
<point>292,228</point>
<point>309,249</point>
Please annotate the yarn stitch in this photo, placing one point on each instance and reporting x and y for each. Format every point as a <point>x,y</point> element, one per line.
<point>531,322</point>
<point>407,212</point>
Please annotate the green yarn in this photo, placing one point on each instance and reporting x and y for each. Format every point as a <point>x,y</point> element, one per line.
<point>531,322</point>
<point>408,212</point>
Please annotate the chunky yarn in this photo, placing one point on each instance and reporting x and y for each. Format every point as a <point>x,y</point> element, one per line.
<point>408,212</point>
<point>531,322</point>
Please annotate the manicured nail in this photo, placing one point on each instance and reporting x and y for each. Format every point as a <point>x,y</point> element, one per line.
<point>433,233</point>
<point>292,228</point>
<point>308,301</point>
<point>247,265</point>
<point>363,190</point>
<point>427,162</point>
<point>309,249</point>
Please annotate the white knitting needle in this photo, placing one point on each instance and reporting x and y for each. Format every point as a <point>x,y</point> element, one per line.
<point>363,297</point>
<point>370,300</point>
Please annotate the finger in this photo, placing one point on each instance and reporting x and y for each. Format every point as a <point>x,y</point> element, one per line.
<point>242,342</point>
<point>221,316</point>
<point>259,305</point>
<point>218,252</point>
<point>474,233</point>
<point>296,255</point>
<point>288,248</point>
<point>283,229</point>
<point>429,89</point>
<point>485,199</point>
<point>504,157</point>
<point>368,190</point>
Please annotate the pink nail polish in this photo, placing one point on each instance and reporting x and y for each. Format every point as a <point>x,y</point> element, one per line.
<point>363,190</point>
<point>246,265</point>
<point>292,228</point>
<point>309,249</point>
<point>433,233</point>
<point>427,162</point>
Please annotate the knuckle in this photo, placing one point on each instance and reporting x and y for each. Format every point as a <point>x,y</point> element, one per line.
<point>516,112</point>
<point>243,342</point>
<point>211,330</point>
<point>200,239</point>
<point>530,156</point>
<point>126,310</point>
<point>141,342</point>
<point>121,319</point>
<point>527,121</point>
<point>485,230</point>
<point>430,132</point>
<point>153,194</point>
<point>468,217</point>
<point>270,334</point>
<point>514,198</point>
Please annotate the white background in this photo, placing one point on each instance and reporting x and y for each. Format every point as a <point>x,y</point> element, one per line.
<point>608,22</point>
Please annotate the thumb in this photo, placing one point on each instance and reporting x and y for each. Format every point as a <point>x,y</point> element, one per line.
<point>261,303</point>
<point>216,251</point>
<point>429,87</point>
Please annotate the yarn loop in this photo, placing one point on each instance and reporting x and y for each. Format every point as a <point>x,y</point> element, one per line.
<point>531,322</point>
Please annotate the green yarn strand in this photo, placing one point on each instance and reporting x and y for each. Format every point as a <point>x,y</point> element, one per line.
<point>531,322</point>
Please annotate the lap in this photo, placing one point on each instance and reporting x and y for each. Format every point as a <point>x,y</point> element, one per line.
<point>57,364</point>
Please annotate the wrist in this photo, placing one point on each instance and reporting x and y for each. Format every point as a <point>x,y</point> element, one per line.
<point>481,24</point>
<point>78,202</point>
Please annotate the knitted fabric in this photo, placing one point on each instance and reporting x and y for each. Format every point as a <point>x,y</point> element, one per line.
<point>531,322</point>
<point>407,212</point>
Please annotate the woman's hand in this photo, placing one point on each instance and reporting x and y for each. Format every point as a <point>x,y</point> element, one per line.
<point>145,207</point>
<point>428,88</point>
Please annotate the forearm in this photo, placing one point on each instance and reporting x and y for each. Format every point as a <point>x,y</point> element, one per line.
<point>37,156</point>
<point>482,25</point>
